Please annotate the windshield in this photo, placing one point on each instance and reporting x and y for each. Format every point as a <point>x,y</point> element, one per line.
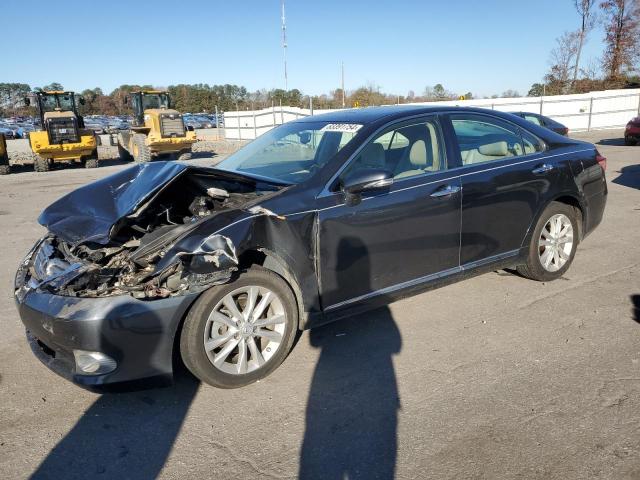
<point>58,101</point>
<point>155,100</point>
<point>293,152</point>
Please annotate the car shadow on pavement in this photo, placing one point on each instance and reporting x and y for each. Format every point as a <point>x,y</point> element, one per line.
<point>629,176</point>
<point>128,434</point>
<point>635,311</point>
<point>352,409</point>
<point>619,142</point>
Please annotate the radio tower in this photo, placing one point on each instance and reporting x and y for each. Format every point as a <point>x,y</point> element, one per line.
<point>284,46</point>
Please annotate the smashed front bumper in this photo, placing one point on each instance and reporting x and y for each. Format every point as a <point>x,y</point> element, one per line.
<point>137,334</point>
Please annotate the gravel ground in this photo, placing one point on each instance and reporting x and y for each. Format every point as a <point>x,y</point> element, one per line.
<point>493,377</point>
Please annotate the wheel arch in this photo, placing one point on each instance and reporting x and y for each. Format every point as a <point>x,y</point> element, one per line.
<point>270,260</point>
<point>566,198</point>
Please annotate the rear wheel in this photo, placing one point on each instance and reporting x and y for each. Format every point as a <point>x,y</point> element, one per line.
<point>141,152</point>
<point>553,244</point>
<point>240,332</point>
<point>630,141</point>
<point>41,164</point>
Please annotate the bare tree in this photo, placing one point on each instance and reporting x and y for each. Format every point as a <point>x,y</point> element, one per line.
<point>587,15</point>
<point>562,60</point>
<point>622,36</point>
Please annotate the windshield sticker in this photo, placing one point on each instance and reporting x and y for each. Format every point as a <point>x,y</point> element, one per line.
<point>341,127</point>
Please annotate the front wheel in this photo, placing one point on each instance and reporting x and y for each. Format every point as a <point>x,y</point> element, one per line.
<point>41,164</point>
<point>240,332</point>
<point>553,244</point>
<point>141,151</point>
<point>92,162</point>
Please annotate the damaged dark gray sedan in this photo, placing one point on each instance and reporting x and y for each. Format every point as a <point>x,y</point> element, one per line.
<point>316,220</point>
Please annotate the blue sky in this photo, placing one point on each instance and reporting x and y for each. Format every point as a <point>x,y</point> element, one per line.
<point>400,45</point>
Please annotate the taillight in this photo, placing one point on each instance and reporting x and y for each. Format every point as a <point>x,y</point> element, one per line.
<point>565,132</point>
<point>602,161</point>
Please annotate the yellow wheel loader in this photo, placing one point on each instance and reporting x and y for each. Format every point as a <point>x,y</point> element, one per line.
<point>156,129</point>
<point>61,135</point>
<point>4,157</point>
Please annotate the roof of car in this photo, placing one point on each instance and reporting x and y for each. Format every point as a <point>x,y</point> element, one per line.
<point>372,114</point>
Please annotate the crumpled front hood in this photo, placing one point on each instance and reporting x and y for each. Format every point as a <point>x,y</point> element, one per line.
<point>90,212</point>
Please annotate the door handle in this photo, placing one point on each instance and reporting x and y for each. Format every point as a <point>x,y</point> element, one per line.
<point>446,191</point>
<point>544,168</point>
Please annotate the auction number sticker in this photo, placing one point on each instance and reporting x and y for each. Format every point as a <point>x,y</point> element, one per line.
<point>341,127</point>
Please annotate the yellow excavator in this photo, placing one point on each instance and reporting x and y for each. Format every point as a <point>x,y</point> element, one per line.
<point>4,157</point>
<point>156,129</point>
<point>61,135</point>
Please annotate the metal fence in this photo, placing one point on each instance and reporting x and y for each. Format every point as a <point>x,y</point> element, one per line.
<point>581,112</point>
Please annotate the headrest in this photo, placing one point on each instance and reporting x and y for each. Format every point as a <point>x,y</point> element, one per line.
<point>418,154</point>
<point>373,156</point>
<point>497,149</point>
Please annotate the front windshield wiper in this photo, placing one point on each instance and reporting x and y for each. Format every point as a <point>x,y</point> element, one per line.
<point>254,176</point>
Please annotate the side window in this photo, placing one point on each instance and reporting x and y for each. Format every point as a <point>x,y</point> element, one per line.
<point>533,119</point>
<point>531,143</point>
<point>406,151</point>
<point>483,139</point>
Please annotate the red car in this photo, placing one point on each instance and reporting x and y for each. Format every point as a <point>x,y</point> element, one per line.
<point>632,132</point>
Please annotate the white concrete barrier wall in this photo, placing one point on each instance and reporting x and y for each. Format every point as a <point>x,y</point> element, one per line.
<point>586,111</point>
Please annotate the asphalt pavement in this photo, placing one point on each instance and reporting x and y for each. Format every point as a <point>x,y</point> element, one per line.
<point>494,377</point>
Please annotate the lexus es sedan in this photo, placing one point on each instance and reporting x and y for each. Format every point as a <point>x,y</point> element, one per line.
<point>543,121</point>
<point>316,220</point>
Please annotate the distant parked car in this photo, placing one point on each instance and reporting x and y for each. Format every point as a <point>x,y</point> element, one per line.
<point>117,125</point>
<point>7,132</point>
<point>205,121</point>
<point>543,121</point>
<point>97,127</point>
<point>632,132</point>
<point>24,129</point>
<point>190,121</point>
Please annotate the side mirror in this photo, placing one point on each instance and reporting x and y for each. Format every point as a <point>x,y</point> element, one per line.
<point>126,100</point>
<point>190,128</point>
<point>81,100</point>
<point>27,101</point>
<point>367,179</point>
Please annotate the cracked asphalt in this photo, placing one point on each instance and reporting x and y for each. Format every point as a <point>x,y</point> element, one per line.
<point>494,377</point>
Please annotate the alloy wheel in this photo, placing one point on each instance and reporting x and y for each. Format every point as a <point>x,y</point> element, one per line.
<point>555,242</point>
<point>244,330</point>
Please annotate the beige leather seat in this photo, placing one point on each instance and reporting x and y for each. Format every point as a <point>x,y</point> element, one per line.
<point>484,153</point>
<point>417,159</point>
<point>424,155</point>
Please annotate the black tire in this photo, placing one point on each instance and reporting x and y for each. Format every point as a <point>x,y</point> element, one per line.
<point>41,164</point>
<point>124,154</point>
<point>141,152</point>
<point>630,142</point>
<point>5,168</point>
<point>184,156</point>
<point>92,161</point>
<point>192,336</point>
<point>534,269</point>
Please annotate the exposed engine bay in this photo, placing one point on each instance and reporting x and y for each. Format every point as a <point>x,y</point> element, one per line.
<point>139,240</point>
